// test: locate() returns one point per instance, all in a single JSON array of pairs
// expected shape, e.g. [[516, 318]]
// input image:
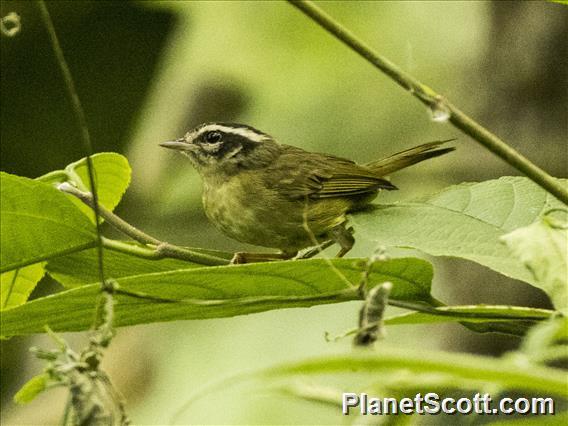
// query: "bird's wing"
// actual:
[[341, 185], [299, 174]]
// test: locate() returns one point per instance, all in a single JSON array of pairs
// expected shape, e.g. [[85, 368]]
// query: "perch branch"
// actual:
[[160, 248]]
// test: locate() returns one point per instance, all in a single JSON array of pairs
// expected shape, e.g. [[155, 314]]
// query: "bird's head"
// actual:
[[224, 147]]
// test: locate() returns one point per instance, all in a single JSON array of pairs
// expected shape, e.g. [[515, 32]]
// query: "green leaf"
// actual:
[[500, 372], [112, 176], [17, 285], [38, 223], [543, 249], [464, 221], [82, 267], [395, 372], [474, 313], [222, 291], [31, 389]]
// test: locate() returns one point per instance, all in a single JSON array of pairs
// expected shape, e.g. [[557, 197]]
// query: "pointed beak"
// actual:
[[178, 145]]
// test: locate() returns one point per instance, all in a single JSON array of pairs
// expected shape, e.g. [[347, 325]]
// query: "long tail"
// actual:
[[408, 157]]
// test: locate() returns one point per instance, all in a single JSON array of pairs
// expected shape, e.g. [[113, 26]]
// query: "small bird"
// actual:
[[268, 194]]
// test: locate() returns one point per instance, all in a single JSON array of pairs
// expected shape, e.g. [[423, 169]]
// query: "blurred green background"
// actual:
[[148, 71]]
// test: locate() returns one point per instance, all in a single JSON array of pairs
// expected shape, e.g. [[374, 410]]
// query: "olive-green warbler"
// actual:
[[261, 192]]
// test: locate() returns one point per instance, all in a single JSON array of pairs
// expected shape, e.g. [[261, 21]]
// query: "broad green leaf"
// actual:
[[38, 223], [464, 221], [543, 248], [82, 267], [474, 313], [500, 372], [402, 385], [112, 176], [17, 285], [222, 291], [31, 389], [383, 373]]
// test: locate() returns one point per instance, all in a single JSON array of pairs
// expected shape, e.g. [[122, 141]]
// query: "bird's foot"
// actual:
[[344, 237]]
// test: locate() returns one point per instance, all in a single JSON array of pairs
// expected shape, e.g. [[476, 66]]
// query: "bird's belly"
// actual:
[[260, 217]]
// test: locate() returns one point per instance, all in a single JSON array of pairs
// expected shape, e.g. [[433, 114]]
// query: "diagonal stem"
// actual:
[[160, 250], [435, 101], [110, 217]]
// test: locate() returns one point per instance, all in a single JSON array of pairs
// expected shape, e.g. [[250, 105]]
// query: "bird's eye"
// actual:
[[213, 137]]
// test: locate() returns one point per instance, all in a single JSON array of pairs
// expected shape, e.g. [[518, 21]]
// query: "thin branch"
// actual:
[[110, 217], [160, 248], [82, 124], [143, 252], [163, 251], [435, 101], [182, 253]]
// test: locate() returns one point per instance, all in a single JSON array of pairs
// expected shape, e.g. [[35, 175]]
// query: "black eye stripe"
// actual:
[[213, 137]]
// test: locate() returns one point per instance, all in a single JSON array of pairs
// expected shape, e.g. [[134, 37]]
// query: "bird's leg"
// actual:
[[343, 237], [316, 250], [244, 257]]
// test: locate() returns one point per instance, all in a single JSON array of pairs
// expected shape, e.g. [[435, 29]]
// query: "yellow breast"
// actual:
[[245, 210]]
